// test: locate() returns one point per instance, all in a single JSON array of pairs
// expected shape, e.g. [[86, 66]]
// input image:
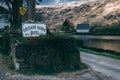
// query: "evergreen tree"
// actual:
[[67, 26]]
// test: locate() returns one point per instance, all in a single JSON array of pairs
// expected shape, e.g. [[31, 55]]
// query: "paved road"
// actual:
[[108, 66]]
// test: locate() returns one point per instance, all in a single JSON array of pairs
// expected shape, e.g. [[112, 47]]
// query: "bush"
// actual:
[[79, 42], [106, 30], [1, 41], [51, 54], [67, 26], [5, 40]]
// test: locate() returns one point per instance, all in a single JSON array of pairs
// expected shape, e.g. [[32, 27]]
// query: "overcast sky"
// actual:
[[48, 2]]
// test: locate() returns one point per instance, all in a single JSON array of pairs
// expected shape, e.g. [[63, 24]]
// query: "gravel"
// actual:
[[90, 75]]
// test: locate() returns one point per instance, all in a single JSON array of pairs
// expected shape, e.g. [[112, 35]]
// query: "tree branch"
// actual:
[[10, 1], [7, 2]]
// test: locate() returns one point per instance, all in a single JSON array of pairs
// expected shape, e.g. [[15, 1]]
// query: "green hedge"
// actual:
[[79, 42], [51, 54]]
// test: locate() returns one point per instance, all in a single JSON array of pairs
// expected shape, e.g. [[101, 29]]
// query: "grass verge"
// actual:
[[101, 53]]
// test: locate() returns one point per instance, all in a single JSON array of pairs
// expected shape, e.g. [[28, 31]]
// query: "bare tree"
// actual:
[[13, 7], [31, 9]]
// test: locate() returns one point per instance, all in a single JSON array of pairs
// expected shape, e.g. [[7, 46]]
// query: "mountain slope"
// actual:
[[94, 12]]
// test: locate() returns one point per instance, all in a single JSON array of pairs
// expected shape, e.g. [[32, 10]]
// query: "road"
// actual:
[[105, 65]]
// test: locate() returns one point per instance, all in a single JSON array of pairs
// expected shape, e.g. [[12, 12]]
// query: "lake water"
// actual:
[[104, 42]]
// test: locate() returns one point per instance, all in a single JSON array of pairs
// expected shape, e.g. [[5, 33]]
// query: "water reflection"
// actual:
[[104, 42]]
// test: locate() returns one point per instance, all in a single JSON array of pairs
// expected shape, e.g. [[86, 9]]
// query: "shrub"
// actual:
[[5, 40], [51, 54], [79, 42], [0, 43], [106, 30], [67, 26]]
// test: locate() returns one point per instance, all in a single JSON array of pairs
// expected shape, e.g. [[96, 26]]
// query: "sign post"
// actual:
[[22, 11], [33, 29]]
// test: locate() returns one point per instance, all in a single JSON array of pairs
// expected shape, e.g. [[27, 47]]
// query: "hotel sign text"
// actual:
[[33, 29]]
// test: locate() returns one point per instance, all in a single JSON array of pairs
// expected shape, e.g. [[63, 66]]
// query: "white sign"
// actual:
[[33, 29]]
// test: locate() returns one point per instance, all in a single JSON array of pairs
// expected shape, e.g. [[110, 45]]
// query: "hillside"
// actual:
[[94, 12]]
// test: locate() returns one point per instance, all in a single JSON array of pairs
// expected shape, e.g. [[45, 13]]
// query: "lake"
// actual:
[[104, 42]]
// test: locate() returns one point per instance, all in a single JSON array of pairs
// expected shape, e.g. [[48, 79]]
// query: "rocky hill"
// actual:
[[94, 12]]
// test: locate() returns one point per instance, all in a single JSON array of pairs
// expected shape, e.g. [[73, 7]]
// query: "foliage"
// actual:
[[14, 5], [67, 26], [13, 10], [77, 33], [79, 42], [1, 43], [106, 30], [5, 39], [8, 62], [51, 54], [60, 28]]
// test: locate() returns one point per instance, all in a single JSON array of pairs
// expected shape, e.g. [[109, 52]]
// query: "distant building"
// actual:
[[82, 28]]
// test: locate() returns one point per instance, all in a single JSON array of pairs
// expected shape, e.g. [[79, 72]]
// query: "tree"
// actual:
[[15, 18], [31, 9], [13, 8], [67, 26], [3, 10], [14, 5]]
